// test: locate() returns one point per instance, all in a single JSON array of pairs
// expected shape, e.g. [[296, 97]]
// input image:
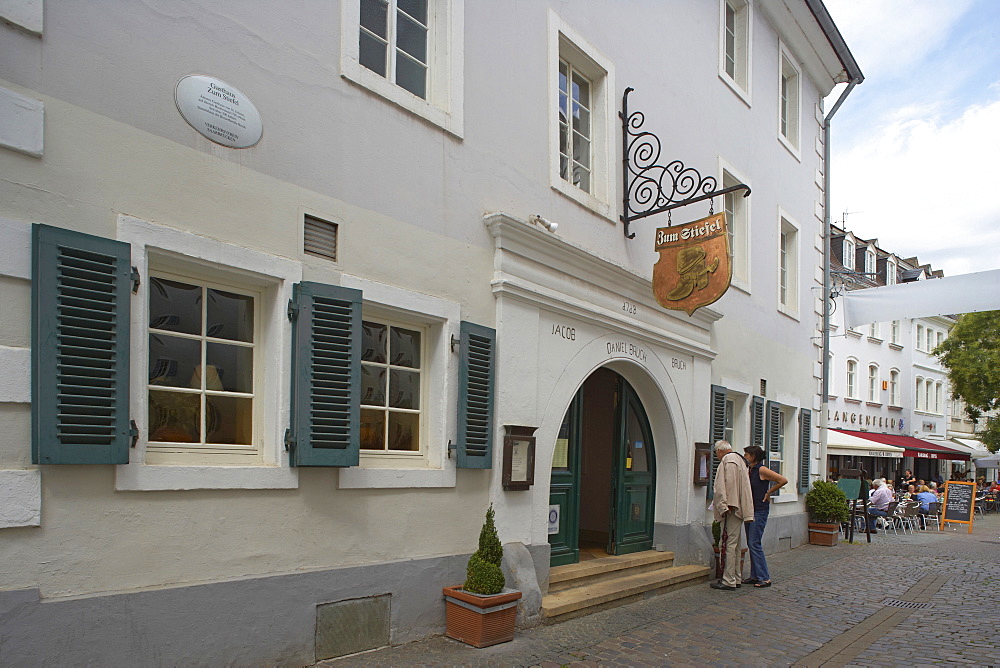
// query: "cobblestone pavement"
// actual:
[[828, 606]]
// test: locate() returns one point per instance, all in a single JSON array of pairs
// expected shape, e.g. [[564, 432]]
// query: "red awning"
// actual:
[[913, 447]]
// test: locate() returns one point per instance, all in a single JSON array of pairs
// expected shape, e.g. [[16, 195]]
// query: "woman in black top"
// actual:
[[763, 483]]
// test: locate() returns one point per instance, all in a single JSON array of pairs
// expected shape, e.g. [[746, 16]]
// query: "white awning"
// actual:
[[970, 445], [839, 443]]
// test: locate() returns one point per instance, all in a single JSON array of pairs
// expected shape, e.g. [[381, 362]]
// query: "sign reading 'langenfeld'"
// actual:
[[218, 111], [694, 268]]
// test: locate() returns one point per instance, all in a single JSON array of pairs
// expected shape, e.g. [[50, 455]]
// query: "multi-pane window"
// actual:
[[873, 383], [736, 220], [787, 266], [735, 41], [918, 394], [890, 273], [391, 371], [929, 343], [574, 126], [894, 388], [730, 428], [928, 395], [393, 42], [920, 337], [938, 397], [940, 338], [873, 330], [788, 103], [201, 373], [870, 261], [894, 332], [852, 379], [848, 254], [777, 456], [783, 269]]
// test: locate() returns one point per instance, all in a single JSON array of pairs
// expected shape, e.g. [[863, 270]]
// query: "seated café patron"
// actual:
[[880, 499]]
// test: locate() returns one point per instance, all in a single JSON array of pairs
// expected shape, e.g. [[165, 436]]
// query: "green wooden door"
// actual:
[[634, 474], [564, 492]]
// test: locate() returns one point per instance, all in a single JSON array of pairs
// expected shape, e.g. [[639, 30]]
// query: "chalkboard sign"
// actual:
[[959, 502]]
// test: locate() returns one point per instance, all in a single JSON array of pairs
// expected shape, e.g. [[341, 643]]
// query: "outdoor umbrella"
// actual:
[[989, 462]]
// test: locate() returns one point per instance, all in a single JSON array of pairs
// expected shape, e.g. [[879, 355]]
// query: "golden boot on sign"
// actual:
[[694, 268]]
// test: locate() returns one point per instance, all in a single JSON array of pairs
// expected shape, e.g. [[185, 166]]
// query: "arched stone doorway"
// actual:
[[603, 472]]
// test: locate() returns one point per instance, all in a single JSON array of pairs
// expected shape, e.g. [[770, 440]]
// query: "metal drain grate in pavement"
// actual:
[[905, 604]]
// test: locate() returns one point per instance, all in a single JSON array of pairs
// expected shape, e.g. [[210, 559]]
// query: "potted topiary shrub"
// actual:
[[720, 562], [481, 612], [827, 506]]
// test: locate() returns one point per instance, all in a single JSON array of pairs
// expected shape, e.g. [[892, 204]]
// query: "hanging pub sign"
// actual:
[[694, 268]]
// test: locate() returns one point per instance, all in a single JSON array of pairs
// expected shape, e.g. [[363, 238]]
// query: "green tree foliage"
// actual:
[[483, 575], [971, 354]]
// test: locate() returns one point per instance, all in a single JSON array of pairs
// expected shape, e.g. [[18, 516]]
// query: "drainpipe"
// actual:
[[827, 299]]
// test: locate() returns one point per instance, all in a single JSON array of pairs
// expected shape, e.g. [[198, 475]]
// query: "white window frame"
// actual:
[[740, 81], [920, 337], [938, 397], [740, 224], [729, 431], [567, 44], [891, 269], [271, 276], [894, 387], [444, 105], [852, 379], [873, 383], [894, 332], [928, 395], [788, 265], [440, 320], [874, 331], [918, 395], [848, 254], [871, 261], [929, 341], [940, 339], [789, 101]]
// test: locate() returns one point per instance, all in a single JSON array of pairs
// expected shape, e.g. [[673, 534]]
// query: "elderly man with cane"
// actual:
[[732, 506]]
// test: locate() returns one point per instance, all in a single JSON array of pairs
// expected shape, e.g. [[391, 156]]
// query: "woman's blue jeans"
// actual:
[[755, 532]]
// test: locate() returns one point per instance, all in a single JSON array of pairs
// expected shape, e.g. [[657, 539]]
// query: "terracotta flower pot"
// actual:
[[480, 621], [823, 534]]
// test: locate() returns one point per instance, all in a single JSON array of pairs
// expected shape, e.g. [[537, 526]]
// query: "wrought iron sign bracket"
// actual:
[[648, 187]]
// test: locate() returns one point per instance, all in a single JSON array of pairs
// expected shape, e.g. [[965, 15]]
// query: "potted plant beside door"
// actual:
[[827, 506], [481, 612]]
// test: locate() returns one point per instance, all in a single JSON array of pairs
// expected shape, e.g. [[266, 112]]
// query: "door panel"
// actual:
[[564, 491], [635, 477]]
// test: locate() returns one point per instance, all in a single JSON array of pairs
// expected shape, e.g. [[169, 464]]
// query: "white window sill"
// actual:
[[364, 77], [744, 95], [387, 478], [582, 198], [895, 346], [872, 339], [146, 478], [785, 497], [790, 147], [794, 315]]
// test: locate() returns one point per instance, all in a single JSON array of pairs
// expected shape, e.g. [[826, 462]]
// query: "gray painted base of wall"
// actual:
[[252, 621], [692, 543]]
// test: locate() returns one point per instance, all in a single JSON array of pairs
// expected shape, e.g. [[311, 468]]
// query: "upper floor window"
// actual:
[[737, 218], [581, 112], [938, 397], [409, 52], [730, 426], [894, 332], [787, 267], [920, 337], [788, 102], [940, 338], [929, 343], [890, 273], [894, 388], [873, 383], [869, 261], [848, 253], [873, 331], [918, 394], [852, 379], [928, 395], [735, 52]]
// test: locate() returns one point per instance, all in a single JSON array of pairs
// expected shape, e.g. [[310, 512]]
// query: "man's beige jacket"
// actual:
[[732, 488]]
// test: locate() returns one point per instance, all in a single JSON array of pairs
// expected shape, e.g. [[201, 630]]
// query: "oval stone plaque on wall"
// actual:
[[218, 111]]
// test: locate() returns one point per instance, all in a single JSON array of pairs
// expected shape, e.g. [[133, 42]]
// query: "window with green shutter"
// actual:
[[81, 291], [775, 440], [476, 377], [805, 448], [717, 430], [326, 375]]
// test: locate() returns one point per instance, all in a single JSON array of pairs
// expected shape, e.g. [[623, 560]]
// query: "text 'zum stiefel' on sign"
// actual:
[[694, 268]]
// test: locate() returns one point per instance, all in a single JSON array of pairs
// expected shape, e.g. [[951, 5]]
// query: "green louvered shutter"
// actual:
[[805, 448], [476, 378], [773, 434], [326, 376], [757, 422], [79, 348], [717, 431]]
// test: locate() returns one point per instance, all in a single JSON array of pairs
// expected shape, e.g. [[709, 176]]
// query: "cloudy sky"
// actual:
[[916, 147]]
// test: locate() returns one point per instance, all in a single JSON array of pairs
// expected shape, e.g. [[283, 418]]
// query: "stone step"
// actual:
[[587, 599], [606, 568]]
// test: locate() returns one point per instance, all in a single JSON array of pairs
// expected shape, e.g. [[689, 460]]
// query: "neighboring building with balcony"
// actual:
[[283, 286]]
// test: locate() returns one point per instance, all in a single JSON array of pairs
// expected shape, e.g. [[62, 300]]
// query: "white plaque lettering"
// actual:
[[519, 461], [218, 111]]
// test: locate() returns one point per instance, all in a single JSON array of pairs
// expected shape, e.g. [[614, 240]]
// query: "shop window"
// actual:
[[202, 368], [392, 359]]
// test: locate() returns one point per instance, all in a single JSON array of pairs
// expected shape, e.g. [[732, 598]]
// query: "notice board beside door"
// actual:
[[959, 503]]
